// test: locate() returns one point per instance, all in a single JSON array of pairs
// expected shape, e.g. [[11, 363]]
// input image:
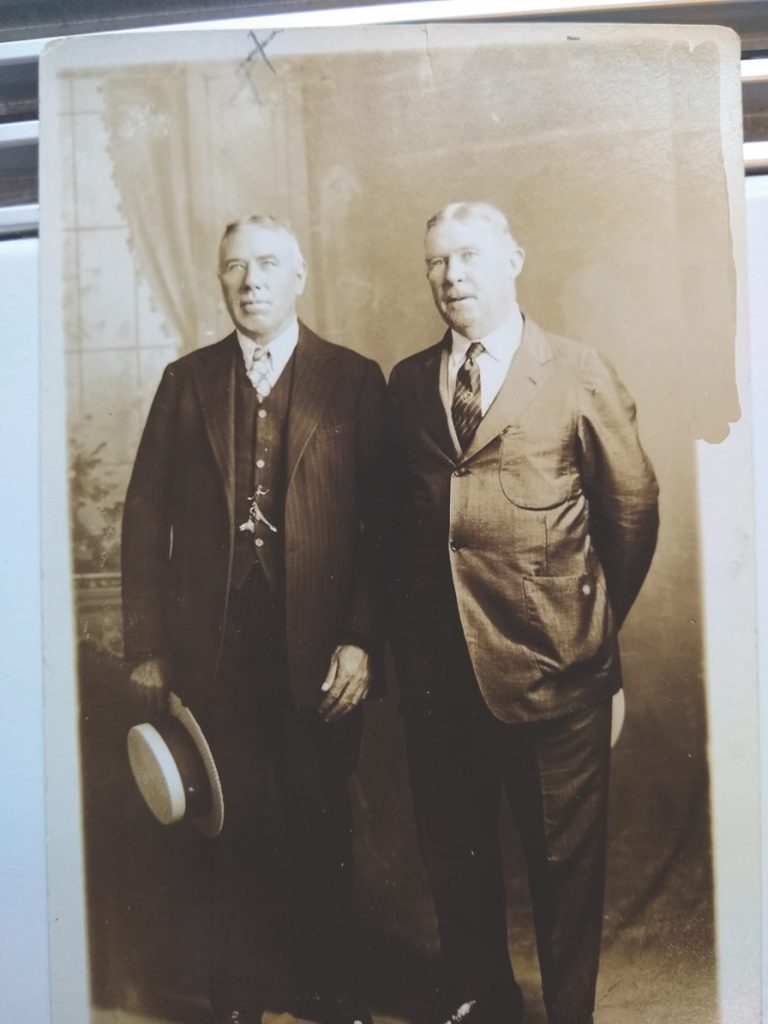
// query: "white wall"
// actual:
[[757, 241], [23, 911]]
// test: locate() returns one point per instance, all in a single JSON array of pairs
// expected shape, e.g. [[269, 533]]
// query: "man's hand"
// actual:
[[347, 682], [151, 681]]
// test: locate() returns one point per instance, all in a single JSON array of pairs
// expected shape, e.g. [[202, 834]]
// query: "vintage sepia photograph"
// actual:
[[399, 669]]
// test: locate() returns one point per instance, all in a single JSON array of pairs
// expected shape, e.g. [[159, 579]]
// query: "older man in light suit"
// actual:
[[252, 550], [527, 523]]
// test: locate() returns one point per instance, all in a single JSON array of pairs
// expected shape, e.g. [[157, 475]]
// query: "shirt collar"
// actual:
[[280, 348], [498, 343]]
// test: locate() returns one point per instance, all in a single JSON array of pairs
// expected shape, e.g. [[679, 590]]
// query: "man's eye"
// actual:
[[234, 265], [269, 263], [438, 261]]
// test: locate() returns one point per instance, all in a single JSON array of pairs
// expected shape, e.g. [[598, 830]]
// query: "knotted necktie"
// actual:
[[466, 409], [260, 373]]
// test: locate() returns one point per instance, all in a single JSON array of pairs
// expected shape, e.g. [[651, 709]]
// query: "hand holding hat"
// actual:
[[173, 766], [151, 680]]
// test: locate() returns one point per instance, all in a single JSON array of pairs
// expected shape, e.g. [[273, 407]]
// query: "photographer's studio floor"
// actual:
[[636, 986]]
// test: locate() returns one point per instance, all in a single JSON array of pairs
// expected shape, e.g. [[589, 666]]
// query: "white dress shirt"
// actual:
[[280, 350], [493, 364]]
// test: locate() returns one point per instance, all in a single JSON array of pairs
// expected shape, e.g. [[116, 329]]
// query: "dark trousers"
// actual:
[[283, 889], [555, 774]]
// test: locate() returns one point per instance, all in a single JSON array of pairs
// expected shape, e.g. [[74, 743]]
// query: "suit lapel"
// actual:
[[434, 415], [313, 381], [530, 367], [215, 382]]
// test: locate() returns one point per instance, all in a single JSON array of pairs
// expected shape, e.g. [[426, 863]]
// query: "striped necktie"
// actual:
[[466, 409]]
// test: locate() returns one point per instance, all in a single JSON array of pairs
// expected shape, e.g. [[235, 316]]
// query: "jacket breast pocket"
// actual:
[[534, 469], [333, 433], [569, 619]]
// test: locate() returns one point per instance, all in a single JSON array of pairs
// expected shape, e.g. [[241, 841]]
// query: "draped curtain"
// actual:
[[193, 148], [148, 127]]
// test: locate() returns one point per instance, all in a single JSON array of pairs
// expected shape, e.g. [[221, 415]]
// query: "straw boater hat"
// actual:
[[175, 771]]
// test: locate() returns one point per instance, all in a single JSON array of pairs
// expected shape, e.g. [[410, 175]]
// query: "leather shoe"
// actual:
[[338, 1009], [507, 1010], [238, 1016], [468, 1013]]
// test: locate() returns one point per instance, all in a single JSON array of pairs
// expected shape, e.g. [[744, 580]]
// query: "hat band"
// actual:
[[197, 791]]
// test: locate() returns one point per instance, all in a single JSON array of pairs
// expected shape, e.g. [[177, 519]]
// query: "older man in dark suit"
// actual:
[[251, 560], [528, 519]]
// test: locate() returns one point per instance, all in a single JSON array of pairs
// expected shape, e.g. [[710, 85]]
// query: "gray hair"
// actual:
[[265, 220], [486, 212]]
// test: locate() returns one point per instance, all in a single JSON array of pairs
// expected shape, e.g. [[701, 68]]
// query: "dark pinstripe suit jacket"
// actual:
[[179, 519]]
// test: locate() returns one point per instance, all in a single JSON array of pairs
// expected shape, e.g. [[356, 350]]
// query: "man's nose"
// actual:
[[454, 270], [252, 278]]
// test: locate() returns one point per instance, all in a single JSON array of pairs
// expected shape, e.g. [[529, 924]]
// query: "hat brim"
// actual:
[[211, 823], [156, 773]]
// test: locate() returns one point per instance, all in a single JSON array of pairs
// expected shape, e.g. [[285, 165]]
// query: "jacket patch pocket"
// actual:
[[568, 618], [534, 472]]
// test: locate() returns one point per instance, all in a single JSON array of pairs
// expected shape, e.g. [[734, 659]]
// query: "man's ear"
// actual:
[[517, 259], [301, 278]]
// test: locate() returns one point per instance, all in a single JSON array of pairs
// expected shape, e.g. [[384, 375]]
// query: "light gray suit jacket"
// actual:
[[541, 533]]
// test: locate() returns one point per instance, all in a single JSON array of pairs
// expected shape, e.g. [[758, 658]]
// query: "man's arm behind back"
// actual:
[[619, 483]]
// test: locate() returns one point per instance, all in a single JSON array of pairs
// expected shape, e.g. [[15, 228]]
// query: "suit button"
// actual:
[[259, 542], [455, 546], [586, 590], [260, 463], [461, 471], [262, 413]]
